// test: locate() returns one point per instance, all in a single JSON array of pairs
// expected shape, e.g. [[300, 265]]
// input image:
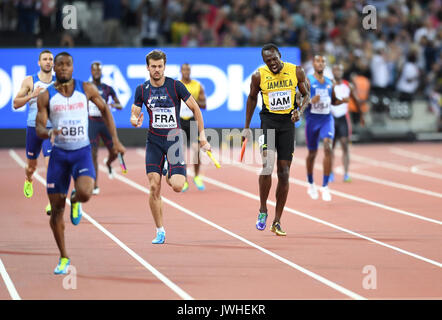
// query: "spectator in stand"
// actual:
[[112, 16]]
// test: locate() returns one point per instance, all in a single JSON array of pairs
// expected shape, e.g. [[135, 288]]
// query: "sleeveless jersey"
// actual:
[[278, 90], [342, 91], [105, 92], [324, 90], [194, 87], [70, 115], [32, 111], [163, 104]]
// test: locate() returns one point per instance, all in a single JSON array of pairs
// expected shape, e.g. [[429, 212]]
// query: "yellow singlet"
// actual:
[[278, 90], [194, 88]]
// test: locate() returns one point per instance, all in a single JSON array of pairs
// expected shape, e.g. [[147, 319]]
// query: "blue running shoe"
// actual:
[[62, 267], [76, 213], [261, 222], [347, 178], [161, 237], [331, 178]]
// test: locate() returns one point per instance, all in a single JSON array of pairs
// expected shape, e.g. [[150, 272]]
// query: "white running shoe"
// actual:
[[312, 191], [326, 196], [96, 191]]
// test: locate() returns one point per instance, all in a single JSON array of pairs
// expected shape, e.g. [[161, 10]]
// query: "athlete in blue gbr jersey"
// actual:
[[319, 124], [65, 104], [162, 97], [31, 87]]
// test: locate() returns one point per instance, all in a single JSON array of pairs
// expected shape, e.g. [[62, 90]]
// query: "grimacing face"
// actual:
[[272, 59]]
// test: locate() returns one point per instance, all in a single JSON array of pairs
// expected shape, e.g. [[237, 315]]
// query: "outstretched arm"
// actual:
[[252, 99]]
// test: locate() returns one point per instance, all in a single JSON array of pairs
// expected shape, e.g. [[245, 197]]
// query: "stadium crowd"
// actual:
[[401, 53]]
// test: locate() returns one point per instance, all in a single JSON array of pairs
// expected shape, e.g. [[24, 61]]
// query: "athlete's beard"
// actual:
[[46, 71], [63, 81]]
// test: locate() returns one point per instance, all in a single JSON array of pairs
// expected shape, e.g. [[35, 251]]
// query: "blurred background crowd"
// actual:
[[400, 58]]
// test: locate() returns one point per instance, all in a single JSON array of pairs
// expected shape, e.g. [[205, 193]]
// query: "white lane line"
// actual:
[[415, 155], [8, 282], [132, 253], [309, 273], [304, 215], [382, 181], [392, 166], [349, 196]]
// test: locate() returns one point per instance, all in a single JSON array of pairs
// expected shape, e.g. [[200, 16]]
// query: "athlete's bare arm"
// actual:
[[304, 88], [93, 95], [24, 94], [42, 118], [136, 116], [117, 105], [202, 98], [355, 97], [336, 101], [193, 105]]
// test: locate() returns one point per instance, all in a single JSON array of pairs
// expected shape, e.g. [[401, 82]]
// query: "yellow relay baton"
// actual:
[[217, 165]]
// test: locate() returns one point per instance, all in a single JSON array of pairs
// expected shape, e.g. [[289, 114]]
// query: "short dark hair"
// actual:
[[97, 63], [270, 46], [155, 55], [43, 52], [62, 54]]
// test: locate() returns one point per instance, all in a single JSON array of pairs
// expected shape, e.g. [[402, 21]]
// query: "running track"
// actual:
[[389, 219]]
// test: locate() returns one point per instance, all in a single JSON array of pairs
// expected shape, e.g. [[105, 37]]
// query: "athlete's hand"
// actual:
[[204, 145], [315, 99], [118, 148], [296, 115], [116, 106], [36, 92], [137, 122], [246, 134], [52, 133]]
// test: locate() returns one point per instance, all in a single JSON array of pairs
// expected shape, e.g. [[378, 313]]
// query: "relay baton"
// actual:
[[217, 165], [243, 149], [122, 164]]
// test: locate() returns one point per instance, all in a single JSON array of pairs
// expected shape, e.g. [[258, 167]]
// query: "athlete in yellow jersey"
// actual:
[[277, 82], [186, 117]]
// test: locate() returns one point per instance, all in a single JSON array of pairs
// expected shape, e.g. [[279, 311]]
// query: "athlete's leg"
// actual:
[[176, 181], [327, 162], [94, 150], [31, 167], [345, 154], [265, 178], [155, 203], [58, 201], [282, 189], [83, 189]]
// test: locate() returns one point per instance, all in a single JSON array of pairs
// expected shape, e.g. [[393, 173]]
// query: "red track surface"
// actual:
[[213, 250]]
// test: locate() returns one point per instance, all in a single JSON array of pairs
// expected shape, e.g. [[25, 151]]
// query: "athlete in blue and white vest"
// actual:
[[319, 124], [65, 104], [31, 87]]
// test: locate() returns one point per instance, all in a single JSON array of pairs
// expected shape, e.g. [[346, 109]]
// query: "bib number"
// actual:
[[280, 100], [72, 131], [164, 118], [323, 106]]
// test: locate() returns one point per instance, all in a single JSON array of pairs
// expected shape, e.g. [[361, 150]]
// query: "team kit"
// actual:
[[68, 119]]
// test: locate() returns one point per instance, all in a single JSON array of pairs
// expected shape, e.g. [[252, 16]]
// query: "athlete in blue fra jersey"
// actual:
[[31, 87], [162, 97], [319, 124], [65, 104]]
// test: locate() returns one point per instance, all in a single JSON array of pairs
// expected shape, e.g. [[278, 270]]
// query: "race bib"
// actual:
[[164, 118], [280, 100], [72, 131], [323, 106]]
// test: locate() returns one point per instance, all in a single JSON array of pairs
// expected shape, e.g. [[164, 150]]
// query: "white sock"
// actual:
[[161, 230]]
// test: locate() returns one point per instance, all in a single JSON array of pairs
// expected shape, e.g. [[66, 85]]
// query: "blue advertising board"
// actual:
[[224, 72]]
